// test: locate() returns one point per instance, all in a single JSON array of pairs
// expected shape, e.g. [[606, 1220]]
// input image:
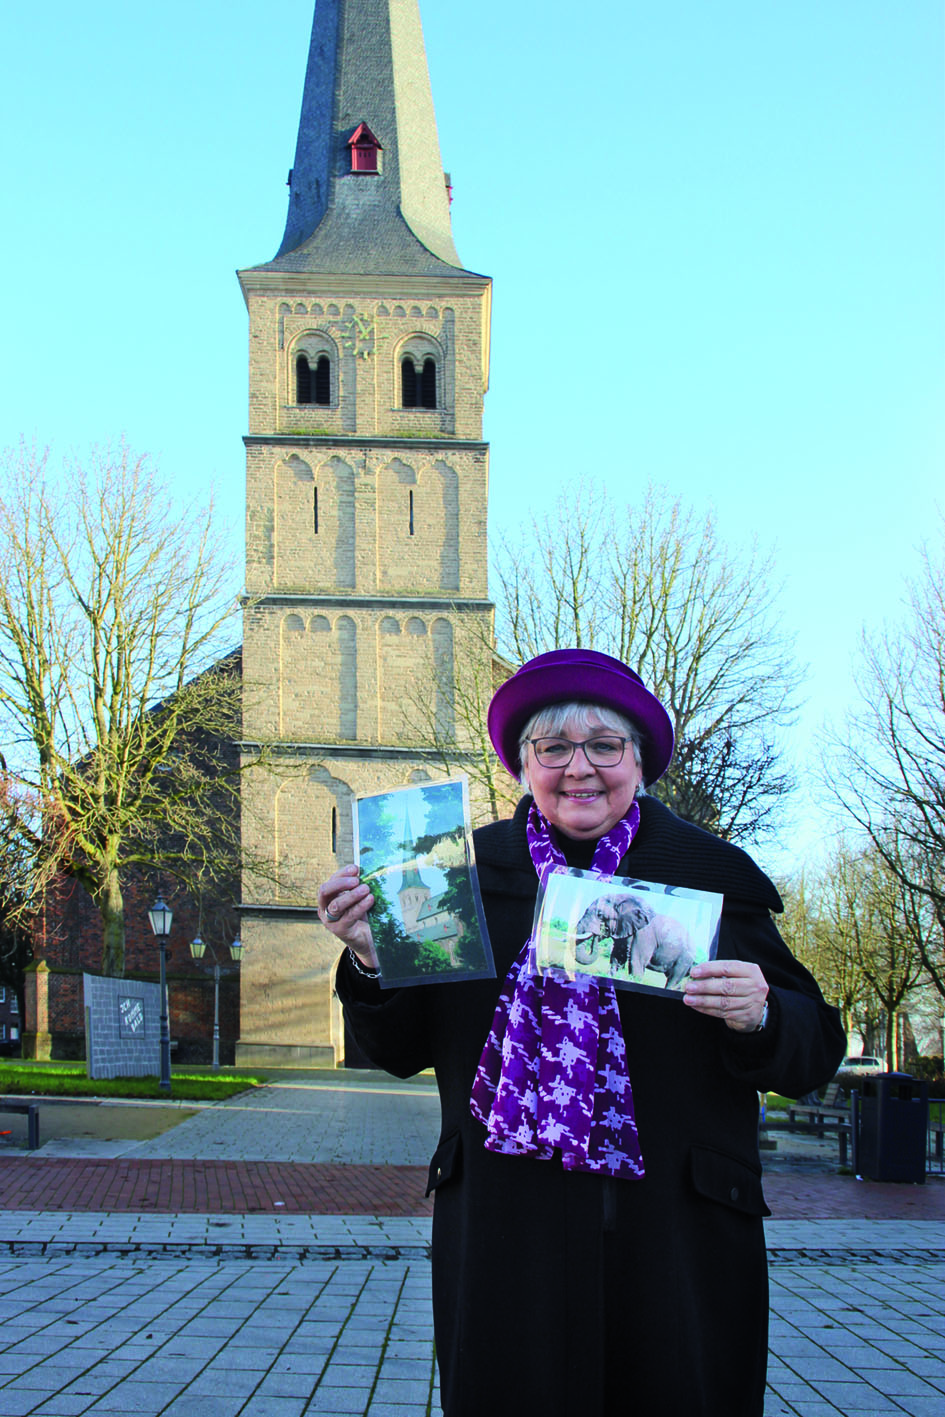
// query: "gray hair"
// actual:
[[551, 721]]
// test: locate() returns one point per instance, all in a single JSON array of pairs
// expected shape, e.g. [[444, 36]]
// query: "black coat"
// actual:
[[560, 1293]]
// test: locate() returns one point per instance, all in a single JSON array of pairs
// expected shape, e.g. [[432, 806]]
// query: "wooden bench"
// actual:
[[31, 1111], [814, 1120], [818, 1119]]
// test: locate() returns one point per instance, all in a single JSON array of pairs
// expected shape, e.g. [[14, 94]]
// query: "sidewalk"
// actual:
[[151, 1276]]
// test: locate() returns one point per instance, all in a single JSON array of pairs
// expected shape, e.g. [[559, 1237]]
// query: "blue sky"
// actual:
[[715, 232]]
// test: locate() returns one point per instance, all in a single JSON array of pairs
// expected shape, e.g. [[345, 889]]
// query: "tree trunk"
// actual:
[[891, 1039], [112, 909]]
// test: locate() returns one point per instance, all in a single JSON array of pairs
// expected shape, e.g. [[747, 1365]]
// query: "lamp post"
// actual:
[[197, 949], [160, 916]]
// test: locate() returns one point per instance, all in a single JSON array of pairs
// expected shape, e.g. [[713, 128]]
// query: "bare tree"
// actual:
[[804, 932], [882, 921], [858, 928], [120, 708], [888, 768], [652, 583]]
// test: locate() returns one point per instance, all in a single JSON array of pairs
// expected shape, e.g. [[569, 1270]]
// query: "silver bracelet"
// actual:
[[362, 969], [764, 1020]]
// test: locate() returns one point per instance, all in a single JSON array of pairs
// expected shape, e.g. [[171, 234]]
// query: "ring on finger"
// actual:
[[329, 915]]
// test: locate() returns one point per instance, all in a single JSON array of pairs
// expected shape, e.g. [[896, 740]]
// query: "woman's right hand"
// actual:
[[343, 904]]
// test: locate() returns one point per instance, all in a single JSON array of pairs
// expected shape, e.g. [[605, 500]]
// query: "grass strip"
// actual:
[[70, 1080]]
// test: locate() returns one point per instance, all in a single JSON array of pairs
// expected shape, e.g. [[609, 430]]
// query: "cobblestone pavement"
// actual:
[[280, 1312], [204, 1335], [221, 1316], [355, 1118], [858, 1320]]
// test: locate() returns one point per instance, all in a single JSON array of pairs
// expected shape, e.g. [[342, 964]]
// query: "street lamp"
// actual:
[[160, 916], [197, 949]]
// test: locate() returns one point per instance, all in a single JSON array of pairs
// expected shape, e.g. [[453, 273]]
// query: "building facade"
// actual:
[[366, 490]]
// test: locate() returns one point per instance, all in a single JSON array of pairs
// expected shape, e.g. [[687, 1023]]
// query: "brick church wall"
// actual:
[[68, 944]]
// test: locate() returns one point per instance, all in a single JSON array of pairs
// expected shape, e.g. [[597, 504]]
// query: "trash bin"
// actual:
[[893, 1123]]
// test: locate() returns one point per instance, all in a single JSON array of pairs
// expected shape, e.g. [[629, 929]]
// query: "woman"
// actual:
[[597, 1236]]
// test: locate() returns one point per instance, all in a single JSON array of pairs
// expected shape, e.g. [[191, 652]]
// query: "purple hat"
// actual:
[[585, 676]]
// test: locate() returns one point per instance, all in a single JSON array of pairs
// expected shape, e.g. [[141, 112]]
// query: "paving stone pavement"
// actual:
[[271, 1315], [355, 1117]]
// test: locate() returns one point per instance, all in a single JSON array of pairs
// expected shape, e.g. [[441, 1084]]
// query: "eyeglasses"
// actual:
[[600, 752]]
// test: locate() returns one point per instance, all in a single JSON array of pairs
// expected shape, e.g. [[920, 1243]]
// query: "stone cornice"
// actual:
[[337, 440], [353, 752], [370, 602], [344, 285]]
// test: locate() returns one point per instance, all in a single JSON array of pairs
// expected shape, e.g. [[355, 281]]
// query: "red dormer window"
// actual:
[[365, 150]]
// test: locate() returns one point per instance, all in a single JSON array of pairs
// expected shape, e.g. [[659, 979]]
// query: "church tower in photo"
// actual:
[[366, 486]]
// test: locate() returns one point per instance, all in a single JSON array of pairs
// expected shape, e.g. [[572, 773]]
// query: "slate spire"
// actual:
[[367, 66]]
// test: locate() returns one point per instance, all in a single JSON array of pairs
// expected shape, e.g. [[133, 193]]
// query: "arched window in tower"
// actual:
[[303, 380], [428, 384], [322, 380], [408, 383], [418, 389], [313, 385], [421, 368]]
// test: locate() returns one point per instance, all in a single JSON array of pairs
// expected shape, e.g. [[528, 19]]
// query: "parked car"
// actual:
[[863, 1066]]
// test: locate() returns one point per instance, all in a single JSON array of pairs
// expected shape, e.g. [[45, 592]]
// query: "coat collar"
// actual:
[[665, 849]]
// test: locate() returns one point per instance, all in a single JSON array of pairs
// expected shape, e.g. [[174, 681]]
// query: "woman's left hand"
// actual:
[[729, 989]]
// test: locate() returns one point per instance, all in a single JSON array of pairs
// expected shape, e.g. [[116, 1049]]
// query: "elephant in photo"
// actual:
[[641, 939], [611, 917]]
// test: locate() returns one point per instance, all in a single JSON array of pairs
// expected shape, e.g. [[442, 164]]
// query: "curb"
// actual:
[[145, 1250], [778, 1256]]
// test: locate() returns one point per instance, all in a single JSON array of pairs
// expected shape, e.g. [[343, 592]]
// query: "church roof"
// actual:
[[411, 879], [367, 72], [430, 907]]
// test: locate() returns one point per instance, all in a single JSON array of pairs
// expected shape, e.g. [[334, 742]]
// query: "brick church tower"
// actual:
[[366, 484]]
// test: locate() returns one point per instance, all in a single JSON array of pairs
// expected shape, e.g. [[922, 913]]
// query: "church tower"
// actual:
[[366, 485]]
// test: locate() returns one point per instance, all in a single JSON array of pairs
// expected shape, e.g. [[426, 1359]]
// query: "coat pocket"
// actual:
[[728, 1181], [445, 1164]]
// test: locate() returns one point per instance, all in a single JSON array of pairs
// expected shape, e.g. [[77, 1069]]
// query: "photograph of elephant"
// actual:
[[414, 847], [639, 934]]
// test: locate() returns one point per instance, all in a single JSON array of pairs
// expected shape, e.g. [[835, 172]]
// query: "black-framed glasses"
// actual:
[[604, 750]]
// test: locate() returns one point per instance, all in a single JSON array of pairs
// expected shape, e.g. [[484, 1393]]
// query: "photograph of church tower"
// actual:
[[366, 491]]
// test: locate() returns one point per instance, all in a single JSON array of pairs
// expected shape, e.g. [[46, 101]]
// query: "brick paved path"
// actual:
[[227, 1187], [838, 1197], [249, 1187]]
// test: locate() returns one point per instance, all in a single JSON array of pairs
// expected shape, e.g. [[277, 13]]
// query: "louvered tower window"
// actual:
[[408, 383], [313, 385], [322, 381], [303, 380], [418, 390], [365, 150], [428, 384]]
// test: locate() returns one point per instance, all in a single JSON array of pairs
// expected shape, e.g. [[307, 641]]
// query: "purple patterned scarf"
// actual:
[[553, 1073]]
